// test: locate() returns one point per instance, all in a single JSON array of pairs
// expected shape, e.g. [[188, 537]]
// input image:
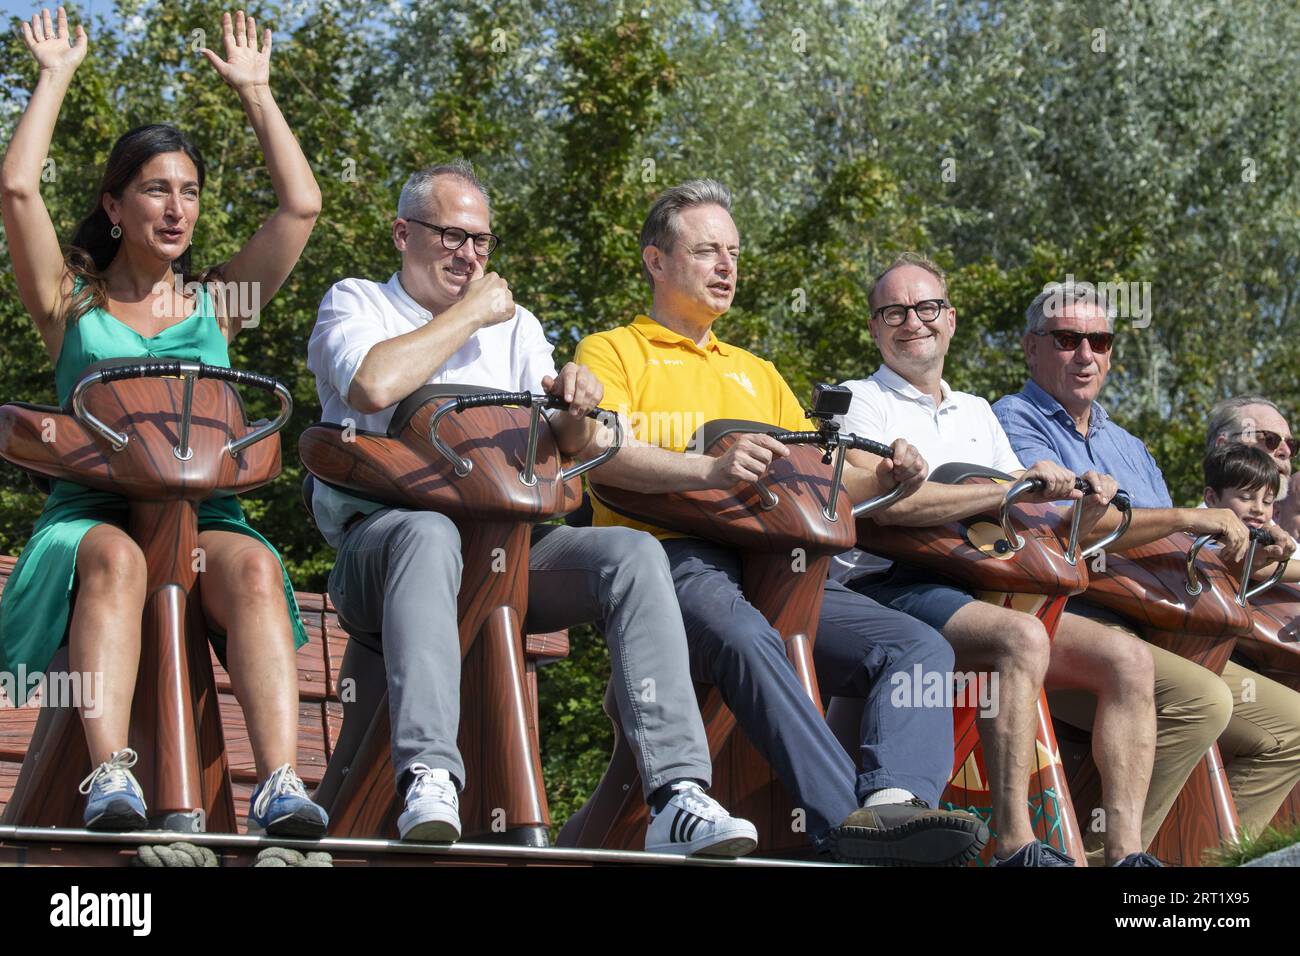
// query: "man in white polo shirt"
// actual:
[[912, 322], [441, 319]]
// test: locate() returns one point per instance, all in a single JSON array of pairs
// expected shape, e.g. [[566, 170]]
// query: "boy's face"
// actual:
[[1254, 508]]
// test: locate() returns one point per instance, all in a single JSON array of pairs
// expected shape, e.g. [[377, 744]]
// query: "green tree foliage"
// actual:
[[1145, 141]]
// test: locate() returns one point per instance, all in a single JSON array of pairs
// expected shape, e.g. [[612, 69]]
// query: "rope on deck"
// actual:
[[174, 855], [283, 856]]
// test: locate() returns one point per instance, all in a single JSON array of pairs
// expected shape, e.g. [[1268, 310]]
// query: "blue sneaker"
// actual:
[[281, 807], [1036, 854], [115, 799]]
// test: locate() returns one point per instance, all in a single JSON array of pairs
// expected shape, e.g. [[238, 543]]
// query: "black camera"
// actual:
[[831, 400]]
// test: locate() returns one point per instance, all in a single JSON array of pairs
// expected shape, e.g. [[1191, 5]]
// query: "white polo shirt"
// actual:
[[357, 314], [961, 428]]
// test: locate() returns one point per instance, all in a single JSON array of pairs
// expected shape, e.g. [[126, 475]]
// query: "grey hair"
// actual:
[[1225, 417], [418, 191], [660, 229], [909, 259], [1057, 296]]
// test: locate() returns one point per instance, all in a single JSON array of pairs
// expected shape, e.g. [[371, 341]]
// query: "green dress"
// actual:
[[36, 602]]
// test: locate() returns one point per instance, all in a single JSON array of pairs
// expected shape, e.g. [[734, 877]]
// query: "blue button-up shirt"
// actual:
[[1040, 428]]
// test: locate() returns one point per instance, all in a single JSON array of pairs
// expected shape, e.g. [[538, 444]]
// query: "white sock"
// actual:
[[889, 795]]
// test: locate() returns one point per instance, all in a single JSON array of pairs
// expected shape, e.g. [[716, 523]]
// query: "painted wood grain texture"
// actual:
[[1147, 586], [493, 510], [786, 553], [949, 549]]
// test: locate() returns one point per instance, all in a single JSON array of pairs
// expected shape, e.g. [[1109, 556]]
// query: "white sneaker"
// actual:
[[695, 823], [432, 812]]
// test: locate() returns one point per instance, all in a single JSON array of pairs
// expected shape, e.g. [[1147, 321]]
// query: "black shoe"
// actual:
[[1036, 854], [1139, 859], [908, 834]]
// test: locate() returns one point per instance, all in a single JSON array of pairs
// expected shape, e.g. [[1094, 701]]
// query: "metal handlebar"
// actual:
[[188, 371], [838, 445], [1259, 536], [1123, 504], [1193, 585], [1011, 539], [537, 403]]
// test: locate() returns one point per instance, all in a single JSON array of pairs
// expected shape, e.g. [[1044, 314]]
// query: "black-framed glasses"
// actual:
[[927, 310], [1067, 340], [1271, 440], [454, 237]]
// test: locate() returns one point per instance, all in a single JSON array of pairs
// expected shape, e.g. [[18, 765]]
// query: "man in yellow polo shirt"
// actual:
[[668, 373]]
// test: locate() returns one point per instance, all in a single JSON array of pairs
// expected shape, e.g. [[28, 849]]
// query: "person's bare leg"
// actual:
[[1015, 646], [104, 637], [242, 591], [1116, 667]]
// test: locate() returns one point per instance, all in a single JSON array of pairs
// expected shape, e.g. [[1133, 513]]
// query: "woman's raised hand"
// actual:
[[49, 42], [244, 66]]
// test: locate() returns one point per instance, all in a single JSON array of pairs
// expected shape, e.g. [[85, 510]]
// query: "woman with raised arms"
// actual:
[[114, 292]]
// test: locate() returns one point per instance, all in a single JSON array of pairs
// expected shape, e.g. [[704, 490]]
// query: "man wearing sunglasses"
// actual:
[[1067, 346], [912, 322], [1254, 420], [443, 319]]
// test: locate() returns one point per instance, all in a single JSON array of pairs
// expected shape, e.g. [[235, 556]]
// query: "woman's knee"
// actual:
[[254, 575], [109, 561]]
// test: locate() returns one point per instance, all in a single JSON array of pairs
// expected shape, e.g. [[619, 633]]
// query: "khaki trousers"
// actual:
[[1255, 720]]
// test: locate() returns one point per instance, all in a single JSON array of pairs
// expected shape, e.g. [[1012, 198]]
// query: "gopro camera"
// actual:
[[831, 400]]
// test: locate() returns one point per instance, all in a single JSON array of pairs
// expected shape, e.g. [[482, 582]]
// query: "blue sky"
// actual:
[[25, 8]]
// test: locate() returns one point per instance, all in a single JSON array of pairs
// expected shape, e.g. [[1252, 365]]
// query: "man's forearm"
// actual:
[[653, 470], [396, 367], [935, 503], [1149, 524]]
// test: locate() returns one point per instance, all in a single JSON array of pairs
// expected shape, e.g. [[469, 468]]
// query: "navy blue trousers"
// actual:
[[862, 650]]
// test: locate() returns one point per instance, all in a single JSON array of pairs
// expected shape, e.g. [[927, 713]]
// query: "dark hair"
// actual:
[[92, 247], [1235, 465]]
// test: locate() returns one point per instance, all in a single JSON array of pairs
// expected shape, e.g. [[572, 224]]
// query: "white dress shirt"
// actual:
[[357, 314], [961, 428]]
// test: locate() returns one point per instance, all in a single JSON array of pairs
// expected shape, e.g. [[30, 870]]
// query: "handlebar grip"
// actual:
[[866, 444], [554, 401], [1262, 535], [494, 398], [239, 377], [1122, 501], [798, 438], [140, 370]]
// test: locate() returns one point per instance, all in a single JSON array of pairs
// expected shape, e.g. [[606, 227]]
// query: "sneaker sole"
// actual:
[[725, 846], [294, 825], [918, 843], [118, 820], [432, 831]]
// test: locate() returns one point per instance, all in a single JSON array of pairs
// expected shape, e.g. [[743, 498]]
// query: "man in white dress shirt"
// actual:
[[442, 319], [912, 322]]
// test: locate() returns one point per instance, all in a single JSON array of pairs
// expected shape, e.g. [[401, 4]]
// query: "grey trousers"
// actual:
[[395, 584]]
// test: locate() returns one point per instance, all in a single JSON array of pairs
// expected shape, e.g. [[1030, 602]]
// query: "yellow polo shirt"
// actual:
[[666, 387]]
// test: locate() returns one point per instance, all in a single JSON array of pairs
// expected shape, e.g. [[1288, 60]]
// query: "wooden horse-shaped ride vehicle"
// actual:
[[786, 527], [1036, 572], [166, 435], [1184, 599], [481, 458], [1273, 649]]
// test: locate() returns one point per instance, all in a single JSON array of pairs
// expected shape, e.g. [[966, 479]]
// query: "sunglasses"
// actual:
[[1271, 440], [1067, 340]]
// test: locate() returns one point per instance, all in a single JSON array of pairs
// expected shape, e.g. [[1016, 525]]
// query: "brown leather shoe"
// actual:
[[908, 834]]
